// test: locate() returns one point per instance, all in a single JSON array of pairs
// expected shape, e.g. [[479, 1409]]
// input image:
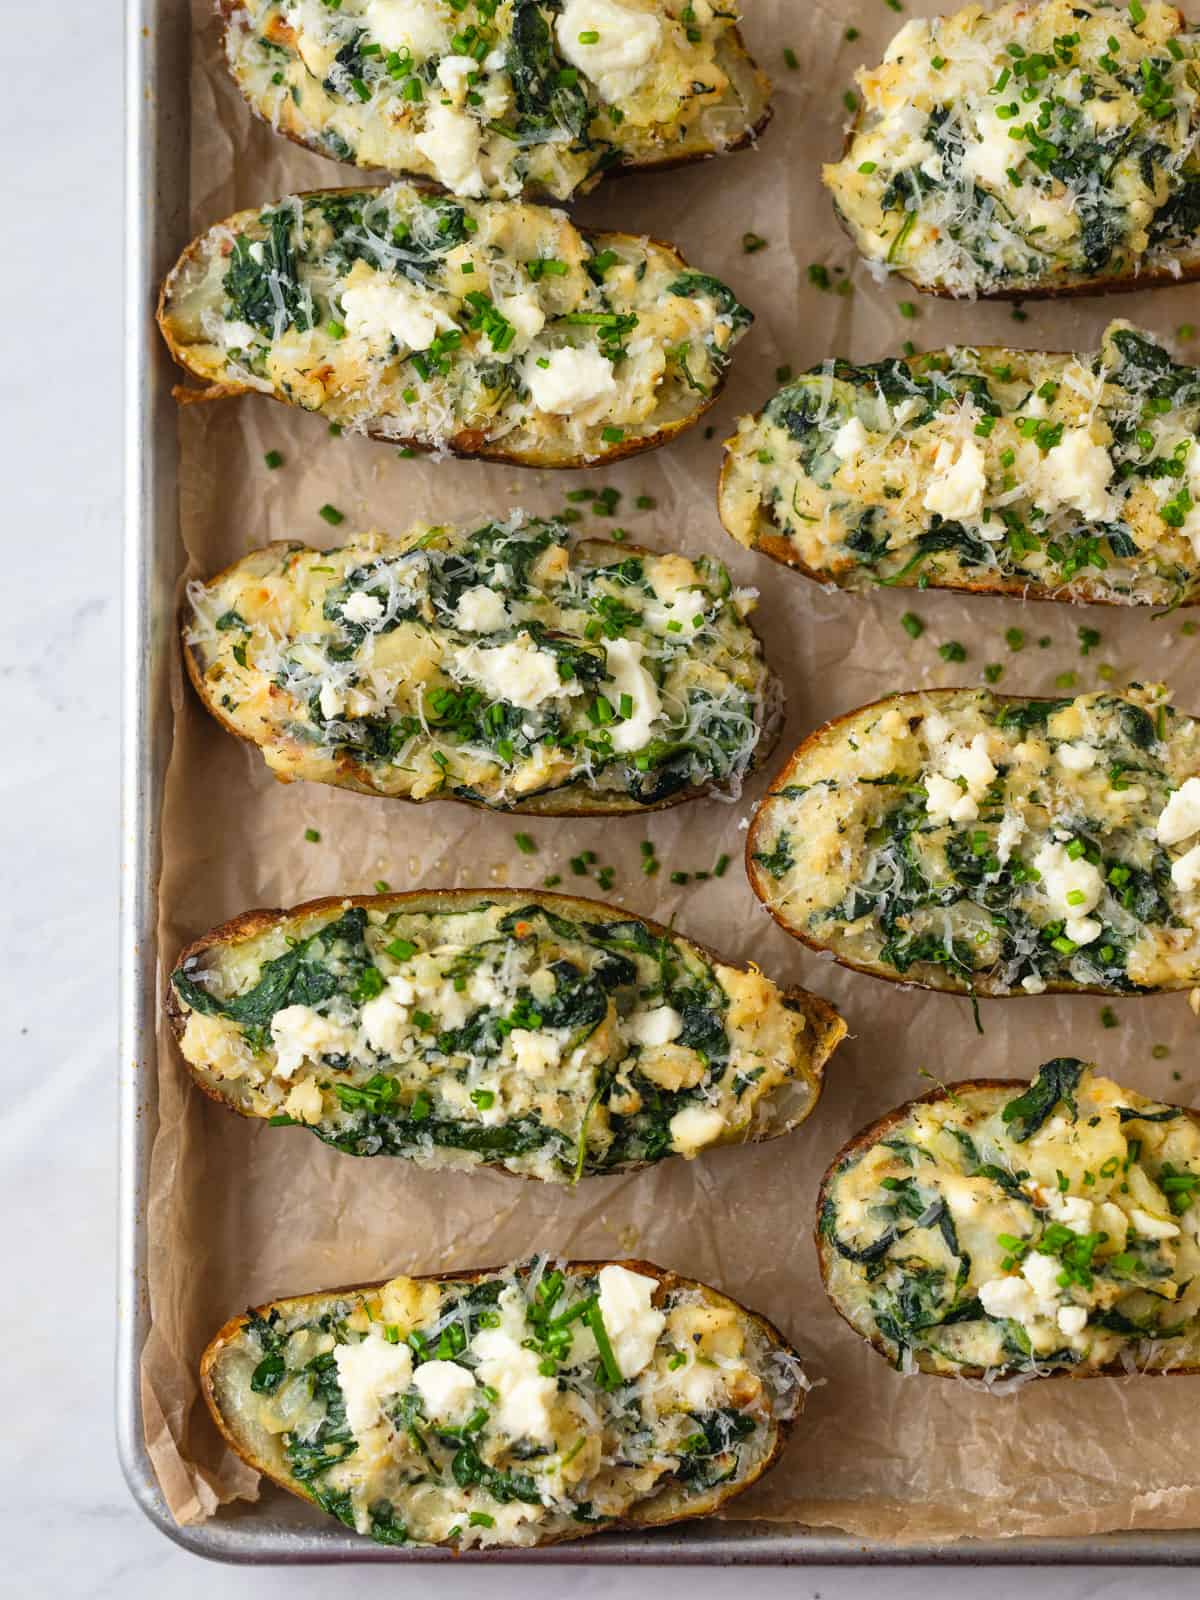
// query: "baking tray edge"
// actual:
[[156, 186]]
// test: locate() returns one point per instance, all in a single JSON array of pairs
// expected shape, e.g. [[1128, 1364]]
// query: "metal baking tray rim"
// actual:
[[158, 35]]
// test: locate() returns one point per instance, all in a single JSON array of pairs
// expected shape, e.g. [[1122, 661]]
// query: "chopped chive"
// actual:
[[382, 886], [790, 59], [312, 835], [553, 881], [681, 877], [525, 843], [1108, 1017], [753, 242], [993, 672], [332, 515], [1014, 638], [907, 309], [1160, 1052], [400, 949], [912, 625], [952, 651], [722, 864], [273, 460]]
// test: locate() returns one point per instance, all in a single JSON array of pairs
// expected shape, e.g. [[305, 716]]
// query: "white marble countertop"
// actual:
[[70, 1525]]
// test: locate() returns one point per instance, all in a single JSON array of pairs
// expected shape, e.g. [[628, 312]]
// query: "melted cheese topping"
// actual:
[[1011, 470], [490, 329], [497, 99], [497, 1411], [989, 1229], [968, 841], [502, 1030], [494, 664], [1026, 147]]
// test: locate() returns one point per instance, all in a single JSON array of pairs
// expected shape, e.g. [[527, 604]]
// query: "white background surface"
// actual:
[[70, 1528]]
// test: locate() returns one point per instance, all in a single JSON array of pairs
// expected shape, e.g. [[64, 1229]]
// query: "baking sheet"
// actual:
[[238, 1212]]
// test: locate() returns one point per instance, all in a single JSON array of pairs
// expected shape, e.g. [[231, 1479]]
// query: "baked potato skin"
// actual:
[[1184, 269], [939, 979], [1162, 572], [703, 1506], [466, 444], [827, 1027], [568, 800], [871, 1135], [1180, 266], [753, 94]]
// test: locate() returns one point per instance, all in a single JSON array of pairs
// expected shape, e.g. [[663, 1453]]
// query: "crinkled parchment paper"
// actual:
[[240, 1212]]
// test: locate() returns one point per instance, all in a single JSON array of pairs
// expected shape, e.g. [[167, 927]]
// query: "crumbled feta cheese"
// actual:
[[1185, 873], [525, 314], [1072, 1320], [1073, 888], [363, 607], [972, 762], [1076, 473], [947, 801], [627, 676], [524, 1394], [416, 25], [631, 1322], [1151, 1227], [1008, 1297], [379, 311], [957, 490], [480, 610], [445, 1388], [1041, 1273], [1072, 1210], [453, 73], [989, 156], [849, 442], [655, 1027], [384, 1020], [1012, 826], [1033, 984], [1076, 757], [369, 1373], [450, 142], [694, 1127], [301, 1034], [1180, 817], [570, 381], [517, 672], [533, 1052], [618, 59]]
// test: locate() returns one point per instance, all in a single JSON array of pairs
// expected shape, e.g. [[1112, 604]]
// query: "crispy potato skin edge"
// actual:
[[666, 1279], [227, 10], [829, 1029], [827, 732], [861, 1142], [772, 726], [469, 444]]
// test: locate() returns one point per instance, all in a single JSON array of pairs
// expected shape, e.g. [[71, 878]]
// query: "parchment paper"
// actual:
[[240, 1212]]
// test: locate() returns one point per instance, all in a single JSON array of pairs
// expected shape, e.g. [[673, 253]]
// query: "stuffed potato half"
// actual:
[[996, 1227], [495, 98], [1043, 148], [516, 1407], [550, 1036], [503, 666], [1055, 477], [993, 845], [489, 329]]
